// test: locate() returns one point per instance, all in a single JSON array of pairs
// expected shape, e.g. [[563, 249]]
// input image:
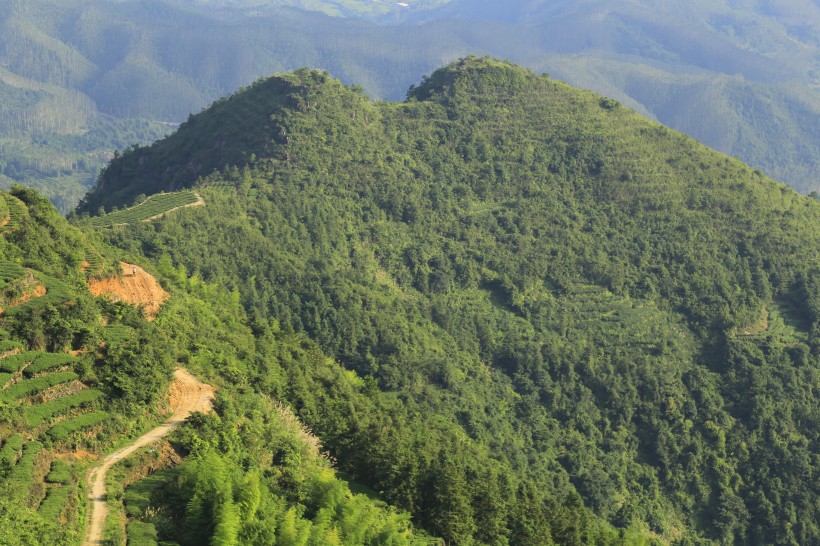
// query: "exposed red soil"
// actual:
[[135, 287]]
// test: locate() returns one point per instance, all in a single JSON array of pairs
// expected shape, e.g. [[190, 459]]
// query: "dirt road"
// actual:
[[188, 395]]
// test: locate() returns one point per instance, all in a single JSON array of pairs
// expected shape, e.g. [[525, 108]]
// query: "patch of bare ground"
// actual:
[[135, 286], [78, 455]]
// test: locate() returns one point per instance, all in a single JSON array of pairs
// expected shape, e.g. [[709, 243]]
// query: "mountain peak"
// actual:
[[478, 73]]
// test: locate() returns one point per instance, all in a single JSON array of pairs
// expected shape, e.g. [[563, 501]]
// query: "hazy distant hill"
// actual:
[[742, 82]]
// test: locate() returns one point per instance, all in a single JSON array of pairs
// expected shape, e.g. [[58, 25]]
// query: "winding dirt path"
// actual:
[[188, 395]]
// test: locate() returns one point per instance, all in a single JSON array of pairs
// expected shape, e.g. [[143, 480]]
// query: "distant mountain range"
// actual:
[[742, 81]]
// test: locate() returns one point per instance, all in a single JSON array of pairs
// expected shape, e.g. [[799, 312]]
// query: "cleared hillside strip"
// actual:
[[134, 285], [152, 208]]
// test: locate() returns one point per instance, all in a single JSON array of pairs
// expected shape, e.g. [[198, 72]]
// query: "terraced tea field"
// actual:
[[50, 409], [30, 289], [153, 207]]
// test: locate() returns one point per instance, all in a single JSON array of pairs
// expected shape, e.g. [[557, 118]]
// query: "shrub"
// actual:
[[55, 502], [13, 363], [141, 533], [57, 293], [39, 413], [60, 473], [61, 430], [21, 477], [35, 385], [49, 361], [11, 448], [153, 206], [9, 345]]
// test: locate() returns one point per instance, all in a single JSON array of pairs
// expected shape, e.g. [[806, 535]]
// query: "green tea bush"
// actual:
[[55, 502], [60, 473], [61, 430], [49, 361], [39, 413], [11, 448], [35, 385], [153, 206], [13, 363]]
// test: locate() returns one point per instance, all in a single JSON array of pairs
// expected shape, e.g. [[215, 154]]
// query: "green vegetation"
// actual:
[[142, 534], [8, 345], [509, 307], [10, 271], [11, 448], [63, 429], [151, 208], [20, 479], [28, 387], [60, 473], [742, 79], [118, 333], [215, 498], [17, 214], [49, 361], [508, 311], [57, 293], [42, 248], [15, 362], [55, 502], [38, 413]]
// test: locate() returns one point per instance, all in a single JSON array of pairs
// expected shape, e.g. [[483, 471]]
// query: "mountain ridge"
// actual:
[[574, 320], [139, 61]]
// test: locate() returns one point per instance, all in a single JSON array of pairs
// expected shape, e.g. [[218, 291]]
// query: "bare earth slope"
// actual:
[[135, 287], [188, 395]]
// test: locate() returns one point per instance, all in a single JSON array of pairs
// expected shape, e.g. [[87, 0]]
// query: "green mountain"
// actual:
[[527, 314], [82, 78], [81, 376]]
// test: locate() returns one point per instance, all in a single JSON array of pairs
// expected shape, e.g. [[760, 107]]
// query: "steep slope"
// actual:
[[80, 375], [574, 323]]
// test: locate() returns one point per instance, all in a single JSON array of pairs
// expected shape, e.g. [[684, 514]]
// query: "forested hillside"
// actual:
[[555, 321], [81, 375], [82, 78]]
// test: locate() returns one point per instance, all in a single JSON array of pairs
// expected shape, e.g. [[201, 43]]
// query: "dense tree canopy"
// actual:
[[554, 321]]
